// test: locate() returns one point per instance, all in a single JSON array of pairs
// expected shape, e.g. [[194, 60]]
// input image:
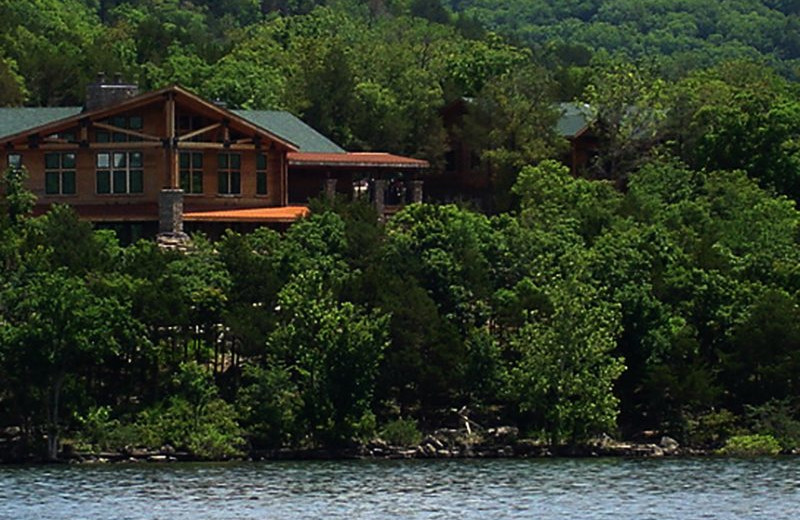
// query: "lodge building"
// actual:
[[156, 162]]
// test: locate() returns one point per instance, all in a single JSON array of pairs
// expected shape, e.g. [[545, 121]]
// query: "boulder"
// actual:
[[669, 445], [503, 434]]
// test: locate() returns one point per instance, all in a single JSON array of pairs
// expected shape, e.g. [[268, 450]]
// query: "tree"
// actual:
[[628, 101], [566, 369], [18, 202], [739, 115], [52, 328], [332, 351], [511, 124], [12, 85], [431, 10], [551, 199], [66, 241], [765, 353]]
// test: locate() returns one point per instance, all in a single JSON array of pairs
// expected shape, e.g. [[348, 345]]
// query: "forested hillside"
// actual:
[[679, 34], [656, 290]]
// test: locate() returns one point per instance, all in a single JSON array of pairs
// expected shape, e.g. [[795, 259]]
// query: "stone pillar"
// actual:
[[170, 211], [416, 191], [330, 189], [379, 195]]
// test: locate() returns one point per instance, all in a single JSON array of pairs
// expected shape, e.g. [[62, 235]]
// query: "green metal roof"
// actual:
[[574, 118], [292, 129], [19, 119]]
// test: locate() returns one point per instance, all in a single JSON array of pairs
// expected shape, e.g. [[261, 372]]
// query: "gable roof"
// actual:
[[291, 128], [283, 124], [18, 119], [44, 121]]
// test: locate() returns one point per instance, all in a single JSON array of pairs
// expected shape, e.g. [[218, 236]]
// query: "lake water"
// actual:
[[463, 489]]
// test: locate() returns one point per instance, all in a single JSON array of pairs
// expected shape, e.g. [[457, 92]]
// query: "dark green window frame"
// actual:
[[229, 174], [59, 173], [261, 174], [134, 122], [119, 173], [191, 172]]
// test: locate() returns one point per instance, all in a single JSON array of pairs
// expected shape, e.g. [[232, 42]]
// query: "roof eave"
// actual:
[[294, 162]]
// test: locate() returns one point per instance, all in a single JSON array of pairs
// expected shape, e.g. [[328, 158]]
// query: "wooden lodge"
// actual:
[[169, 160]]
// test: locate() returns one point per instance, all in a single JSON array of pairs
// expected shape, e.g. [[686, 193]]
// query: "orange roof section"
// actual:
[[148, 212], [271, 214], [355, 159]]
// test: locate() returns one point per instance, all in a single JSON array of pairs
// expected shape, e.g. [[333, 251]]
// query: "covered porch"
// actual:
[[388, 181]]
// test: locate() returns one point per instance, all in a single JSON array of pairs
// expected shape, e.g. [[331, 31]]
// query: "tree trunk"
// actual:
[[52, 427]]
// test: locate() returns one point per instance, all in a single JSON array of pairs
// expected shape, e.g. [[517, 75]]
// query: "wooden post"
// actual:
[[379, 194], [416, 191], [284, 180], [171, 152], [330, 188]]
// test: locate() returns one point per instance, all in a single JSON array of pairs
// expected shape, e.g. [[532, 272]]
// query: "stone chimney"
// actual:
[[170, 211], [101, 94]]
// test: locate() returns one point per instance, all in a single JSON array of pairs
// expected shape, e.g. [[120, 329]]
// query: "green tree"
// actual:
[[18, 202], [511, 124], [12, 85], [566, 369], [270, 406], [739, 115], [628, 101], [332, 351], [52, 328]]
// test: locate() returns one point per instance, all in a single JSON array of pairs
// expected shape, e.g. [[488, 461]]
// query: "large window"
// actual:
[[187, 123], [135, 123], [261, 174], [59, 173], [191, 172], [229, 173], [119, 172]]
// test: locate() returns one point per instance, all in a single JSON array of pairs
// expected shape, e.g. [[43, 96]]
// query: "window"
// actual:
[[229, 173], [59, 173], [14, 161], [261, 174], [119, 172], [128, 122], [186, 124], [191, 172]]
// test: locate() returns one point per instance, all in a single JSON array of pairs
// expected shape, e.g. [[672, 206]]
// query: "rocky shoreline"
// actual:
[[501, 442]]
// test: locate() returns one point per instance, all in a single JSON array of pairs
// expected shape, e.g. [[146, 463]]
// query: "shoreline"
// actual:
[[432, 447]]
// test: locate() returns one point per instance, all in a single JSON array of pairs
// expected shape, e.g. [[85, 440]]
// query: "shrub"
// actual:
[[777, 418], [709, 429], [218, 435], [750, 446], [211, 433], [99, 432], [268, 404], [402, 432]]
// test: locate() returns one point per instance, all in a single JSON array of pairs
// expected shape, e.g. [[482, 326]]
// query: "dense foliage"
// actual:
[[659, 289], [586, 311]]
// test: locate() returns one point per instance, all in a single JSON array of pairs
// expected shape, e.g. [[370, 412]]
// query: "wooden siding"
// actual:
[[157, 158]]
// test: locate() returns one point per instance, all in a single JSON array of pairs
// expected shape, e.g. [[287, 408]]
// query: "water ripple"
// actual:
[[593, 489]]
